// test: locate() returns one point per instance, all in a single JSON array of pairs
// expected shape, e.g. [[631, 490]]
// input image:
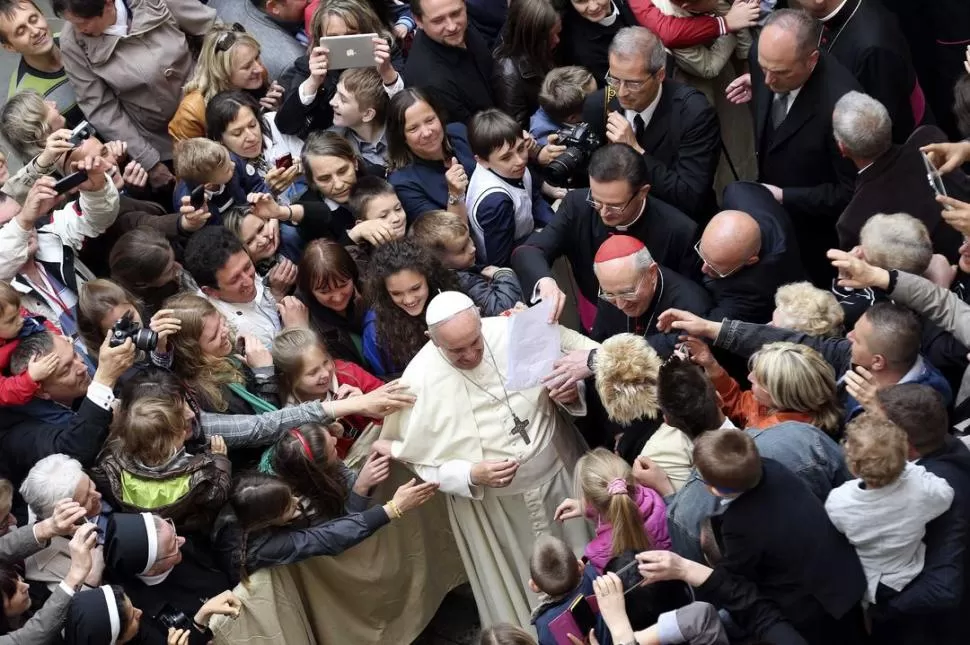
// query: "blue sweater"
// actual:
[[421, 186], [242, 183]]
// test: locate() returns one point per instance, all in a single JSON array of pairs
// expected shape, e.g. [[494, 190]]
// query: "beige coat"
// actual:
[[129, 87]]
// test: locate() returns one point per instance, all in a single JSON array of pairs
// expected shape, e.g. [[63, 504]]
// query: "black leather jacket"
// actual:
[[515, 86]]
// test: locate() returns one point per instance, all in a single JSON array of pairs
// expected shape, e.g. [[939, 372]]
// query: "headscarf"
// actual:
[[93, 618]]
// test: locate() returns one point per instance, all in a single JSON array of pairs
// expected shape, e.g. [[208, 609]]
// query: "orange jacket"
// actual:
[[745, 411]]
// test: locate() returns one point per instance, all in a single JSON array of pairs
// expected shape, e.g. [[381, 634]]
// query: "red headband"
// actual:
[[306, 446]]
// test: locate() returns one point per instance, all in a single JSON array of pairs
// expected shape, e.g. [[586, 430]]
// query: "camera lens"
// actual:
[[145, 339], [564, 167]]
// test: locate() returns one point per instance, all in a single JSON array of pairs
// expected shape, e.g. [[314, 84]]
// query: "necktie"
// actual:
[[638, 127], [779, 109]]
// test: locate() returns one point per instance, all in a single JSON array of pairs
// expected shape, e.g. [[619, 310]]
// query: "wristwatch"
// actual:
[[591, 360], [453, 199]]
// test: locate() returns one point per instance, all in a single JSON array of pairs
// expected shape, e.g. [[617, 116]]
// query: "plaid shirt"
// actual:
[[249, 431]]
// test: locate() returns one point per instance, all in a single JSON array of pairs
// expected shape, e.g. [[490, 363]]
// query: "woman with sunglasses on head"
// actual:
[[229, 61], [311, 85]]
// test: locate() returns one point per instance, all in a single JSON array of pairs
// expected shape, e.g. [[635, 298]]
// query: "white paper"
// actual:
[[534, 345]]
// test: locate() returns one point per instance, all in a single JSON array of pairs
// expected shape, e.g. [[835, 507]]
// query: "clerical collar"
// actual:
[[625, 227], [120, 28], [610, 19], [836, 12], [865, 168], [647, 113]]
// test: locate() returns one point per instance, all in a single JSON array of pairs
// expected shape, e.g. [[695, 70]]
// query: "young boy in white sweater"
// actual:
[[884, 512]]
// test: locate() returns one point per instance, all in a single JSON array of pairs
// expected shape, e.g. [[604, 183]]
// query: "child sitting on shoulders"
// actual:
[[503, 200], [561, 98], [555, 571], [307, 372], [16, 323], [884, 512], [629, 516], [200, 162], [446, 236]]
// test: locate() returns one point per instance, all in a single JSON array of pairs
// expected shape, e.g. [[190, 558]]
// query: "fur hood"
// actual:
[[626, 378]]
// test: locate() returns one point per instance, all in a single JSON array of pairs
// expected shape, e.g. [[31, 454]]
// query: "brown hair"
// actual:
[[553, 566], [436, 229], [367, 88], [399, 155], [563, 92], [324, 263], [205, 375], [198, 159], [875, 449], [95, 299], [526, 33], [919, 410], [505, 634], [151, 429], [9, 297], [290, 348], [6, 495], [595, 472], [300, 459], [728, 460], [359, 17]]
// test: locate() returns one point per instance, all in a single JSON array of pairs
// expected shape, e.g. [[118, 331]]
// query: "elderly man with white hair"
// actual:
[[504, 457], [891, 178], [52, 479]]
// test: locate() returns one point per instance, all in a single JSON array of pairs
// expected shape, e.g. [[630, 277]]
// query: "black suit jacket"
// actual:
[[577, 232], [778, 536], [459, 80], [801, 157], [896, 183], [749, 294], [865, 37], [682, 144]]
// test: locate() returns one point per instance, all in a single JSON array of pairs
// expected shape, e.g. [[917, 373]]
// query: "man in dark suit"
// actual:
[[450, 59], [891, 179], [865, 37], [616, 202], [671, 124], [793, 89], [776, 535], [748, 250]]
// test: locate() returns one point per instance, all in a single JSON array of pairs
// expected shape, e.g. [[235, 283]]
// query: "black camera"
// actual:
[[169, 616], [580, 142], [84, 130], [144, 339]]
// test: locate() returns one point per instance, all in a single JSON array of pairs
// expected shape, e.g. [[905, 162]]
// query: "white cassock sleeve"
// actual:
[[454, 476]]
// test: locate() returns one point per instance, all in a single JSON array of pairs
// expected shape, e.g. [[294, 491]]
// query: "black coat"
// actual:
[[778, 536], [587, 44], [515, 87], [802, 158], [934, 606], [459, 80], [749, 294], [577, 232], [865, 37], [896, 183], [337, 331], [682, 144], [673, 291]]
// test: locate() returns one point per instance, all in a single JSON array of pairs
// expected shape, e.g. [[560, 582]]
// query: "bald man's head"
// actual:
[[731, 240]]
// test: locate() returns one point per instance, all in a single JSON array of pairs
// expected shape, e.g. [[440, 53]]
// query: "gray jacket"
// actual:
[[19, 544], [44, 625], [279, 47]]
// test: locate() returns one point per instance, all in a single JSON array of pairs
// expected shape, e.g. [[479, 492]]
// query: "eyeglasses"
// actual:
[[612, 210], [697, 249], [633, 86], [169, 521], [228, 39], [623, 295]]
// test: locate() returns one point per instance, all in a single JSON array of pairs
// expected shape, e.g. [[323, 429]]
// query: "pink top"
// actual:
[[600, 551]]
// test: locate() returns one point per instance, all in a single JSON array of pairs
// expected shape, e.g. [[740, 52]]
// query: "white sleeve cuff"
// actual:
[[668, 630], [454, 478], [394, 87], [306, 98], [67, 590], [101, 395]]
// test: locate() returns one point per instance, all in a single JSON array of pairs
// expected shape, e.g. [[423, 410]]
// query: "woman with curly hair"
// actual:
[[400, 281]]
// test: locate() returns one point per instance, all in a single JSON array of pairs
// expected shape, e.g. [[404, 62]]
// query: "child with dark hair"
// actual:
[[503, 200], [555, 571]]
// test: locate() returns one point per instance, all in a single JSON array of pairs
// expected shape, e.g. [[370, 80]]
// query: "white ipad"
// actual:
[[349, 52]]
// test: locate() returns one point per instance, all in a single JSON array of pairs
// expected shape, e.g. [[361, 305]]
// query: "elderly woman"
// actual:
[[229, 61], [804, 307]]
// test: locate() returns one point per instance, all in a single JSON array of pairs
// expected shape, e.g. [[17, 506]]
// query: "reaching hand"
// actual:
[[374, 231], [567, 372], [660, 565], [948, 157], [114, 361], [256, 353], [649, 474], [700, 353], [739, 90], [85, 541], [378, 403], [264, 206], [568, 510], [412, 495], [40, 367], [282, 278], [685, 321], [293, 313], [743, 14], [495, 473], [165, 324], [548, 289], [955, 213], [217, 445], [376, 469], [57, 145], [856, 273], [135, 175], [345, 390], [225, 604], [273, 97]]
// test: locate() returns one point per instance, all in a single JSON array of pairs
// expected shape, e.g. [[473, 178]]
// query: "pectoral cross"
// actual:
[[520, 427]]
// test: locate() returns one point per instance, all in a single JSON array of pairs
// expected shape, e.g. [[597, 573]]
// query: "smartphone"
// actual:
[[197, 196], [170, 616], [349, 52], [583, 615], [934, 177], [82, 131], [285, 161], [241, 346], [71, 182]]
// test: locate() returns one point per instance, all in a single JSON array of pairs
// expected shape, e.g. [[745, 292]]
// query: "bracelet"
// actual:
[[395, 509], [893, 278], [289, 210], [455, 199]]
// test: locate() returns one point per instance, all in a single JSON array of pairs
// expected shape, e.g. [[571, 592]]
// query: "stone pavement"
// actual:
[[456, 622]]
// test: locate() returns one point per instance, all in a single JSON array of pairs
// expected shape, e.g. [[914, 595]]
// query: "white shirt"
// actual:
[[610, 19], [647, 112], [790, 99], [120, 28], [835, 12], [258, 317]]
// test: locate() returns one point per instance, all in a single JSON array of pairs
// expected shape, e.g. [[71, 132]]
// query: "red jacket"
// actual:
[[348, 373], [676, 32], [18, 390]]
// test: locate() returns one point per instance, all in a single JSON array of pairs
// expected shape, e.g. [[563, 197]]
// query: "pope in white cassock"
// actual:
[[505, 458]]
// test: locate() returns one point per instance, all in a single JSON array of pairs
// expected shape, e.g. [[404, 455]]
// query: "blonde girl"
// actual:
[[628, 516]]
